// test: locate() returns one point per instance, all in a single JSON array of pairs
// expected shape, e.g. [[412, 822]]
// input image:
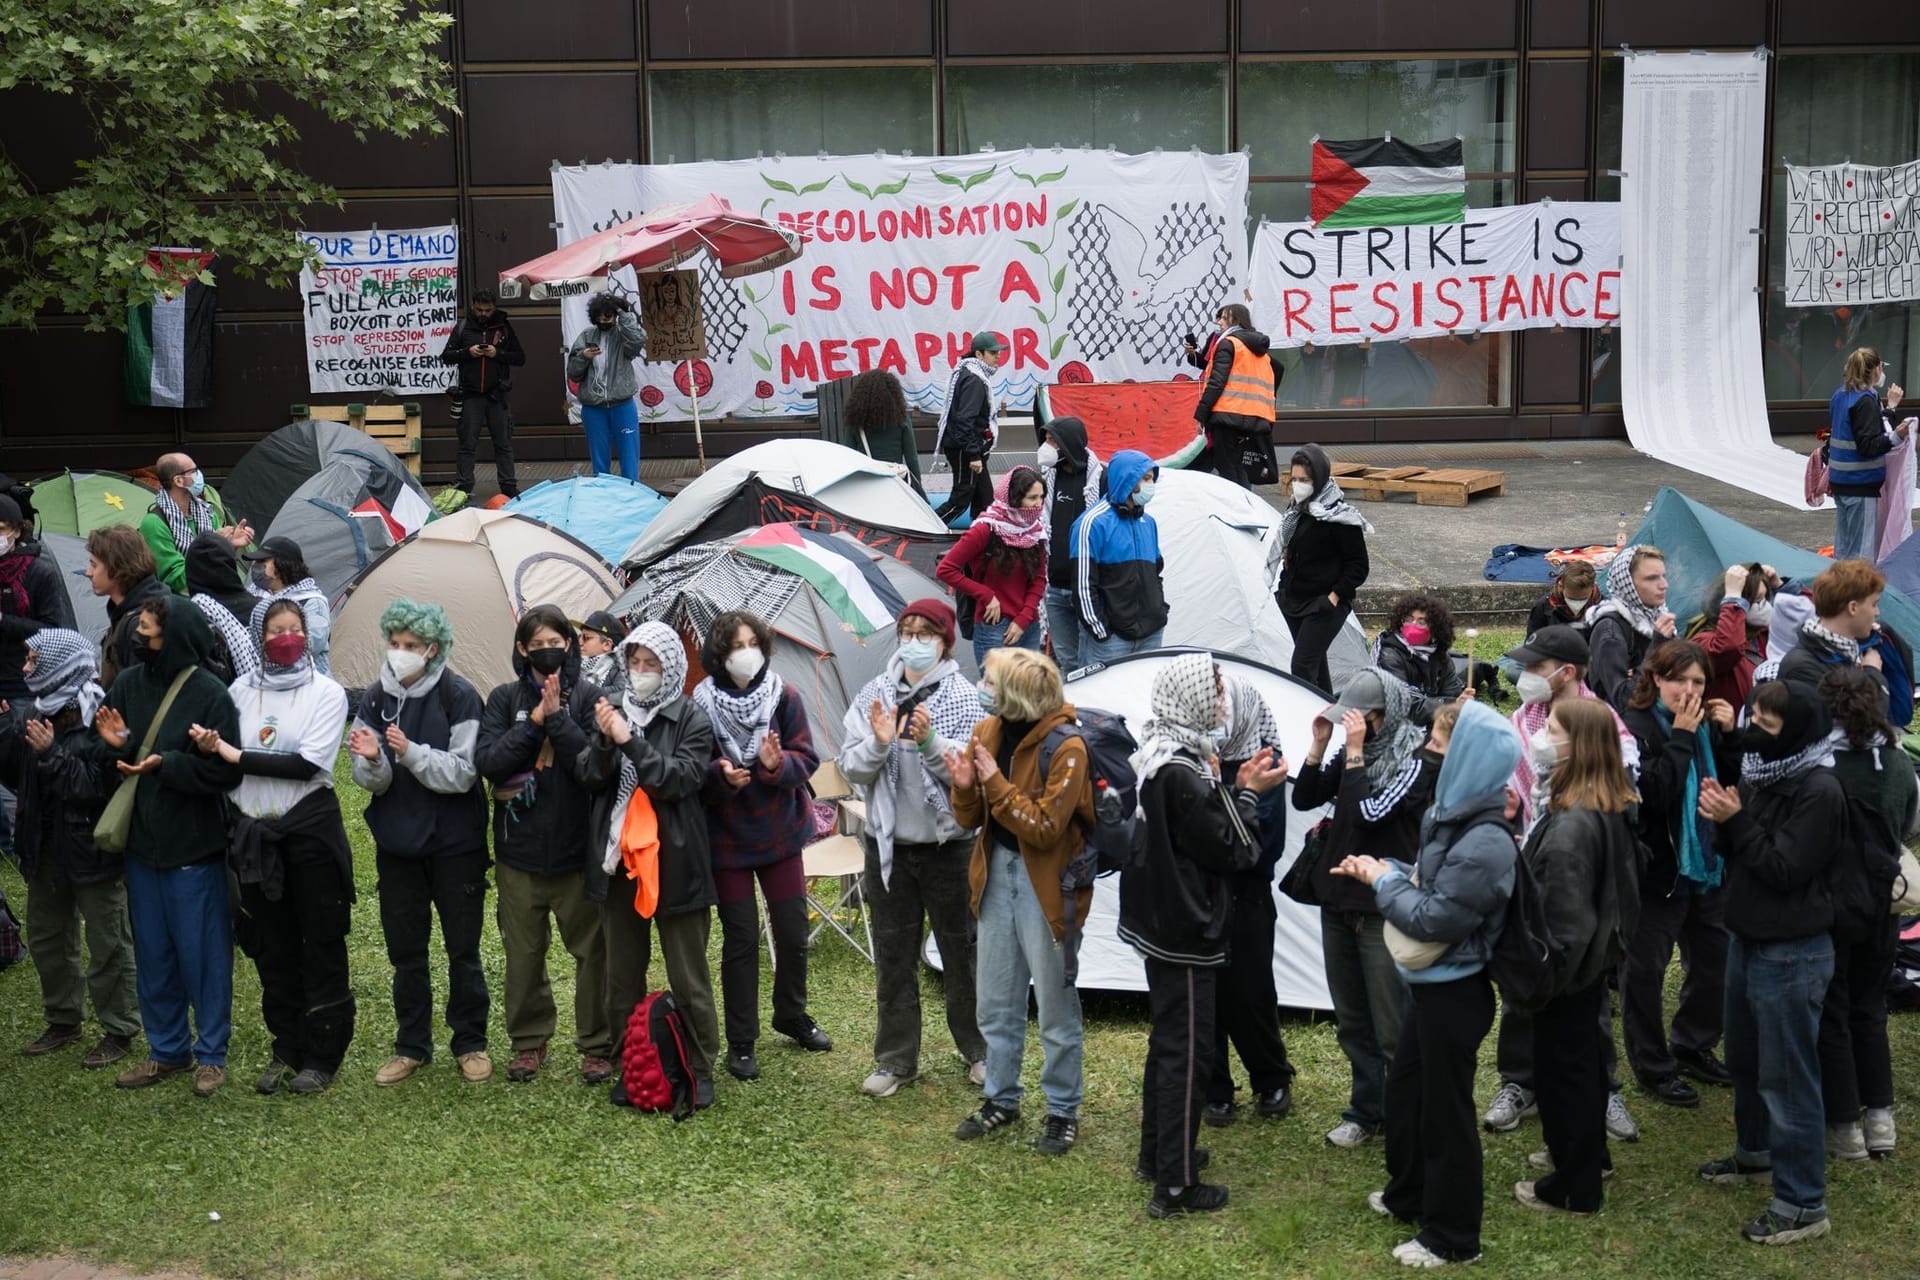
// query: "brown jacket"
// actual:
[[1040, 812]]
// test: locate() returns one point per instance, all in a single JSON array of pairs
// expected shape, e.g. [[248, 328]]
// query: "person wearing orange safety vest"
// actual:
[[1236, 406]]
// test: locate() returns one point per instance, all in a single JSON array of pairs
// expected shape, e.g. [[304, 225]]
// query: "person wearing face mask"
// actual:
[[31, 594], [1000, 565], [1632, 621], [1846, 631], [1861, 432], [1574, 591], [1324, 540], [1732, 629], [965, 436], [656, 745], [1176, 910], [1686, 741], [895, 739], [1777, 834], [535, 750], [759, 819], [1379, 781], [600, 363], [1075, 478], [281, 571], [1414, 648], [875, 413], [213, 584], [412, 746], [1236, 405], [289, 853], [176, 847], [1116, 552], [186, 507]]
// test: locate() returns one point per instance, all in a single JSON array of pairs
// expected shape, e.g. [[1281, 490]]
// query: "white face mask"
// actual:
[[1577, 607], [1047, 456], [1760, 614], [6, 544], [1534, 688], [1301, 490], [643, 684], [405, 664], [1542, 752], [744, 664]]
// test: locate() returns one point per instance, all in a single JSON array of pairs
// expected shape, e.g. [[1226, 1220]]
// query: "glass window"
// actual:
[[736, 115], [1132, 107], [1606, 138], [1283, 105], [1421, 373]]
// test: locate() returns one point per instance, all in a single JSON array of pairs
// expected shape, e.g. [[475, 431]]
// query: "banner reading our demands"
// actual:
[[380, 308], [1853, 234], [1523, 267], [1085, 261]]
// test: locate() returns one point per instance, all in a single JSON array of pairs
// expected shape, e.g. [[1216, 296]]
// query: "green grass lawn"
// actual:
[[798, 1175]]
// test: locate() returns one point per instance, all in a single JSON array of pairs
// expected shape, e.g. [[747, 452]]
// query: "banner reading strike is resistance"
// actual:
[[1853, 234]]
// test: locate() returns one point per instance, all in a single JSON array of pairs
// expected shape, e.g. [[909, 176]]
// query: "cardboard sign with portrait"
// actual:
[[670, 310]]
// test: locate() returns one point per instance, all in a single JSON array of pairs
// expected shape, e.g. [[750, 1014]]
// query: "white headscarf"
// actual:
[[663, 642]]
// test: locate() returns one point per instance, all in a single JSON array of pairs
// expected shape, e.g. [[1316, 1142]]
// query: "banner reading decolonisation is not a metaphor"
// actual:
[[1087, 258], [1522, 267]]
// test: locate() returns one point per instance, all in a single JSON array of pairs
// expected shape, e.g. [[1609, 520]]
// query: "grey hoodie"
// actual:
[[610, 379]]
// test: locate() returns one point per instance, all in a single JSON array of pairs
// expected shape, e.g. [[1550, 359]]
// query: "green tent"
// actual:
[[78, 502]]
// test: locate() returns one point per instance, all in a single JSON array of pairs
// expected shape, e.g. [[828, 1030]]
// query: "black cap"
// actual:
[[275, 549], [1556, 644], [603, 623], [10, 511]]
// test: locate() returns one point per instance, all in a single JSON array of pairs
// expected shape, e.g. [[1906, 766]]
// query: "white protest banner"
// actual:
[[1853, 234], [1078, 258], [380, 308], [1525, 267]]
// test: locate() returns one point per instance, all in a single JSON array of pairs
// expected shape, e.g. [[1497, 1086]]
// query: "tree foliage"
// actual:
[[185, 146]]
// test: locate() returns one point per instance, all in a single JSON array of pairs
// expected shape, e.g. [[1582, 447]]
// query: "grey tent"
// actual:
[[269, 472], [351, 512], [89, 610]]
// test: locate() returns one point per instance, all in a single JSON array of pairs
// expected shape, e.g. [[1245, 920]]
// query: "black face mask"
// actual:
[[149, 658], [1757, 740], [546, 661]]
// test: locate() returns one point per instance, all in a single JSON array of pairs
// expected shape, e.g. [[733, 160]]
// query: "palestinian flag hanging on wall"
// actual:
[[170, 337], [1378, 182]]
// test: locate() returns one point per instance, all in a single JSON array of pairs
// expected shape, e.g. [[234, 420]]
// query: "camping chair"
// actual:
[[841, 856]]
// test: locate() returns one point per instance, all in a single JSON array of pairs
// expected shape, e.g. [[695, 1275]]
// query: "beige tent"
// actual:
[[484, 568]]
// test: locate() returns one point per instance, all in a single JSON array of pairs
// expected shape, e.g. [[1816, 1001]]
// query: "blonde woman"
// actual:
[[1860, 434]]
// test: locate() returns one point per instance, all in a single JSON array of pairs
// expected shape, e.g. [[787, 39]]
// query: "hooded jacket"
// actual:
[[428, 802], [1665, 757], [1116, 550], [608, 379], [484, 375], [1585, 864], [60, 796], [180, 810], [1436, 676], [117, 652], [1073, 485], [541, 819], [670, 764], [213, 570], [1780, 846], [1322, 556], [40, 598], [1220, 366], [1176, 902]]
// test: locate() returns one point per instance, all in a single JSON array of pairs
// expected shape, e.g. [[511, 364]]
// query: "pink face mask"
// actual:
[[284, 649], [1416, 633]]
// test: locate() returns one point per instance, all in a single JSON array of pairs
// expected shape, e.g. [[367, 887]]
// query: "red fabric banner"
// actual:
[[1154, 417]]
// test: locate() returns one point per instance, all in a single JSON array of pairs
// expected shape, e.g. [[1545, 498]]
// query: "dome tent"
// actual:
[[268, 473], [78, 502], [350, 513], [605, 512], [484, 568], [69, 551]]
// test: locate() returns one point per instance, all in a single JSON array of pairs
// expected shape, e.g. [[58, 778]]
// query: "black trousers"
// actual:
[[784, 885], [1179, 1048], [1514, 1055], [1856, 1063], [411, 891], [1246, 1009], [928, 887], [1314, 624], [972, 490], [477, 411], [1434, 1162], [1572, 1092], [1698, 922], [299, 947]]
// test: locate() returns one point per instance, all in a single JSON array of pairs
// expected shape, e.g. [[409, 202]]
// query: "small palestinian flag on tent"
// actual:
[[170, 334], [841, 571], [1378, 182]]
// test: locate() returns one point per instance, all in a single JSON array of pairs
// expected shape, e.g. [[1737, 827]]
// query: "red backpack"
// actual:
[[654, 1074]]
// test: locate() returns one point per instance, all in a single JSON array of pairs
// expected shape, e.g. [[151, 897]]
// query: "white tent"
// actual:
[[848, 482], [1126, 687]]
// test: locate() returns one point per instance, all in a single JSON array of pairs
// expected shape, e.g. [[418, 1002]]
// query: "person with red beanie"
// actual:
[[999, 566]]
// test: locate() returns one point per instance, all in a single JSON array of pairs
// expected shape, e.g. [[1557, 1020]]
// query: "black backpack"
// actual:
[[1860, 877], [1522, 964], [1119, 833]]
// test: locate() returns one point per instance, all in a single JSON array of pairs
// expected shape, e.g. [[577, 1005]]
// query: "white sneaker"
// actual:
[[977, 1072], [1415, 1254], [1543, 1161], [1846, 1142], [1620, 1125], [1879, 1132], [883, 1083], [1349, 1135], [1509, 1107], [1377, 1201]]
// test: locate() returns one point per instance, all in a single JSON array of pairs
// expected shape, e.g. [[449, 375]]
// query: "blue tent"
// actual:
[[1700, 543], [605, 512]]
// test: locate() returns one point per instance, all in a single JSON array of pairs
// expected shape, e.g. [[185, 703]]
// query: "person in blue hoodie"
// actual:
[[1117, 564], [1454, 901]]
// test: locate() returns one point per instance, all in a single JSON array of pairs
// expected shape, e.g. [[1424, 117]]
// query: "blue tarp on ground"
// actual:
[[1700, 543], [605, 512]]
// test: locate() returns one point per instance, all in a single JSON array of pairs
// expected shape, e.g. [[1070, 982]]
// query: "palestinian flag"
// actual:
[[1378, 182], [170, 336], [842, 572]]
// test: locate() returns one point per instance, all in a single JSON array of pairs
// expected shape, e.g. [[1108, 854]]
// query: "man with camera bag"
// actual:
[[486, 348], [1236, 405]]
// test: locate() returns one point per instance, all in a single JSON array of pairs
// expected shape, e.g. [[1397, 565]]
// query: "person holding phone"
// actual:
[[485, 348], [600, 363], [1861, 432]]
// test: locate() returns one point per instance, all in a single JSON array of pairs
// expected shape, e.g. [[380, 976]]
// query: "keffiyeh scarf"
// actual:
[[1250, 722], [1329, 506], [664, 643], [66, 673], [741, 717], [1018, 528], [240, 646], [1398, 738], [1186, 710], [186, 525], [1623, 597], [952, 705], [975, 366], [1843, 647], [1766, 773]]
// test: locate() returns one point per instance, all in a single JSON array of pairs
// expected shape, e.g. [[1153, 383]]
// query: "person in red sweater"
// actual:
[[1000, 565], [1733, 630]]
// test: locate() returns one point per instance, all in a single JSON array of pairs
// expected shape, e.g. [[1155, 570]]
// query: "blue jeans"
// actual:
[[1856, 528], [608, 426], [1093, 650], [988, 636], [183, 957], [1063, 627], [1016, 945], [1774, 994], [1369, 1006]]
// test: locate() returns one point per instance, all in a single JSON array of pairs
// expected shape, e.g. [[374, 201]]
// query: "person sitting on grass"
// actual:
[[1732, 629], [1631, 622], [1414, 646], [1566, 604]]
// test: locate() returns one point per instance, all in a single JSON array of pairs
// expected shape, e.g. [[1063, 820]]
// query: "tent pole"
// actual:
[[699, 441]]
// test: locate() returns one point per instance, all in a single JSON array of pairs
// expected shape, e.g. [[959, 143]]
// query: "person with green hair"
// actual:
[[412, 746]]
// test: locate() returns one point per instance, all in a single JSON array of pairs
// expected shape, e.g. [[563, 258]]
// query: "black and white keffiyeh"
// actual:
[[1811, 632], [1251, 725], [1329, 506], [66, 673], [741, 717], [972, 366], [1623, 597], [1186, 711], [1762, 772], [664, 643], [240, 646], [189, 524], [953, 707]]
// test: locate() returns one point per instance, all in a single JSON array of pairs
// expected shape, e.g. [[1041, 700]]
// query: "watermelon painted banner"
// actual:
[[1087, 256], [846, 577], [1518, 267], [169, 357], [1377, 182]]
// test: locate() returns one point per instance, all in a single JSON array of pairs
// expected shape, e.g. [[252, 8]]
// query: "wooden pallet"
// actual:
[[397, 426], [1428, 486]]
